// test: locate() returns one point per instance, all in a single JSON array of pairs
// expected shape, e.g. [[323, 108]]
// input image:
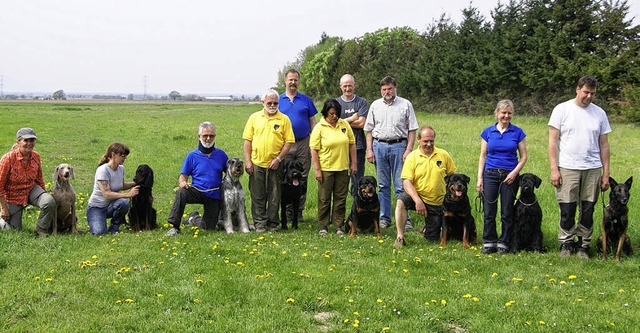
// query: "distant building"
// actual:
[[218, 98]]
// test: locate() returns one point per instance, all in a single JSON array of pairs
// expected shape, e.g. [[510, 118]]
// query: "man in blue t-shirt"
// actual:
[[301, 111], [206, 165]]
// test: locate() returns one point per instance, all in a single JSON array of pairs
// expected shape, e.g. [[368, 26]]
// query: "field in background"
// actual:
[[289, 281]]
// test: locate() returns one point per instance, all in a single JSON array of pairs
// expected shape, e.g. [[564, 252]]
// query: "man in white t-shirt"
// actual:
[[579, 159]]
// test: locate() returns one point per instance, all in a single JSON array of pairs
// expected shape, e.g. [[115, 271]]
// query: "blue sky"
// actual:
[[192, 46]]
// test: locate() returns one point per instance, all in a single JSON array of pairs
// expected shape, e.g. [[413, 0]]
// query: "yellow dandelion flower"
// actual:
[[48, 279], [128, 300], [118, 302], [621, 291], [37, 278], [159, 295], [379, 300], [494, 274], [443, 302], [456, 272], [404, 270], [466, 296], [356, 323], [291, 300], [356, 313], [515, 279], [510, 303], [475, 299], [562, 283], [552, 281], [541, 322], [284, 252], [386, 328], [380, 241], [196, 300], [305, 254], [572, 277], [94, 257], [350, 300], [345, 321], [199, 281], [115, 282]]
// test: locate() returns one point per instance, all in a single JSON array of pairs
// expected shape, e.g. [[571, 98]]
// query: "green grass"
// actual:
[[291, 281]]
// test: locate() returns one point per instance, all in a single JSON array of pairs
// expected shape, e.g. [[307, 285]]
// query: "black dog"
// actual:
[[365, 210], [616, 220], [458, 222], [527, 222], [291, 192], [142, 215], [233, 214]]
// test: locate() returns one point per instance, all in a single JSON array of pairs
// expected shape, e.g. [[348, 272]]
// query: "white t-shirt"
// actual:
[[115, 180], [580, 130]]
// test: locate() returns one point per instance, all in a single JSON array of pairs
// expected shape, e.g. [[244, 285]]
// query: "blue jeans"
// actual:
[[97, 217], [494, 187], [388, 159]]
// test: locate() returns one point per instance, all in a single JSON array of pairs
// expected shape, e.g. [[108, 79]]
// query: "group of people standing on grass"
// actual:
[[349, 132]]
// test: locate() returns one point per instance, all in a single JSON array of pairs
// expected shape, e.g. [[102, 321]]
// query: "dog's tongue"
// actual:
[[296, 182], [458, 193], [370, 195]]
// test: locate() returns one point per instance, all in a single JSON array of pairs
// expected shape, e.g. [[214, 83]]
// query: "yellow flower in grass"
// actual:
[[541, 322], [443, 302], [199, 281], [128, 300], [115, 282], [48, 279], [515, 279], [572, 277], [37, 278], [466, 296], [379, 300], [510, 303], [621, 291], [118, 302], [386, 328], [552, 281], [291, 300], [196, 300], [475, 299], [356, 323]]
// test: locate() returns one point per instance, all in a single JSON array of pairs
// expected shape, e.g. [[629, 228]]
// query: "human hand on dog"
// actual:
[[134, 191]]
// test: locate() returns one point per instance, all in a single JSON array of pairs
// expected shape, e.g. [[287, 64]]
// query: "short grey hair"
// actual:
[[206, 124], [347, 77], [504, 104], [269, 93]]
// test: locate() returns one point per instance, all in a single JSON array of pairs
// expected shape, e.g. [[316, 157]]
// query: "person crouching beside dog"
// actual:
[[107, 199], [22, 184], [206, 165], [579, 159], [268, 136], [423, 176], [498, 176], [332, 145]]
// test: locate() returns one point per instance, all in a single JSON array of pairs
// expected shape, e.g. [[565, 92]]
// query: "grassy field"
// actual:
[[292, 281]]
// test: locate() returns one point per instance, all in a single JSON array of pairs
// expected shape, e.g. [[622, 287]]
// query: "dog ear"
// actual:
[[466, 179], [148, 180], [612, 182], [629, 182], [538, 181], [55, 173], [446, 178]]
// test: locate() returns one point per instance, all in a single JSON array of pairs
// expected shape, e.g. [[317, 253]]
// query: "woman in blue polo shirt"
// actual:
[[498, 169]]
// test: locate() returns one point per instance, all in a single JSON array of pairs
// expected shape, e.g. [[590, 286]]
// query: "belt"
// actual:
[[392, 141], [298, 140], [498, 170]]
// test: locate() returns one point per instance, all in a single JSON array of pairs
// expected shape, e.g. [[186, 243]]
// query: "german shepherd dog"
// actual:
[[66, 219], [365, 210], [142, 215], [615, 221], [457, 220], [527, 221], [291, 192], [233, 214]]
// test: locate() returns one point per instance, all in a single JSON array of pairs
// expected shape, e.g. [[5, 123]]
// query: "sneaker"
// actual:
[[190, 218], [113, 229], [583, 253], [324, 231], [399, 243], [489, 250], [260, 229], [173, 232], [502, 250], [566, 249], [408, 226], [339, 231], [384, 224], [41, 232]]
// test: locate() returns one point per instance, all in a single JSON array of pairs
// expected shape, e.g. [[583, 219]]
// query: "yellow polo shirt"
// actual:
[[427, 173], [332, 144], [267, 135]]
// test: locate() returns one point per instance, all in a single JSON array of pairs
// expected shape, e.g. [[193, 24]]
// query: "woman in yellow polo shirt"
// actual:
[[333, 154]]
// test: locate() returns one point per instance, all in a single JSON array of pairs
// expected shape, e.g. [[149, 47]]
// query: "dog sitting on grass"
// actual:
[[233, 215], [616, 221], [65, 219]]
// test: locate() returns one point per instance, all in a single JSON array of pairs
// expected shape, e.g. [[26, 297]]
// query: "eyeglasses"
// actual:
[[123, 155], [272, 103], [29, 140], [208, 136]]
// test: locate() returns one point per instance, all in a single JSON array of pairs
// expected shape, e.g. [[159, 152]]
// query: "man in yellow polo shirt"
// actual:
[[268, 136], [424, 186]]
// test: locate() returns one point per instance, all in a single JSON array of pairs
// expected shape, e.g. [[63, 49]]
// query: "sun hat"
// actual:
[[26, 133]]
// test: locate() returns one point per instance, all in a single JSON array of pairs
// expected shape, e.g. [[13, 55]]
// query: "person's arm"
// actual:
[[315, 160], [109, 195], [356, 121], [554, 135], [522, 152], [312, 122], [413, 193], [370, 156], [481, 162], [411, 139], [605, 154], [183, 181], [248, 165], [354, 160], [283, 152]]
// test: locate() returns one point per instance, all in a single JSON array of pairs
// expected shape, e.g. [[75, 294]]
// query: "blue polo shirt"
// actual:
[[502, 148], [299, 111], [206, 171]]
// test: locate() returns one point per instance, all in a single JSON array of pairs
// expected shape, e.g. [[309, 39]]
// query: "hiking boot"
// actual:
[[489, 250], [190, 218], [503, 250], [384, 224], [173, 232], [324, 231], [339, 231], [408, 226], [41, 232], [399, 243], [583, 253], [566, 250]]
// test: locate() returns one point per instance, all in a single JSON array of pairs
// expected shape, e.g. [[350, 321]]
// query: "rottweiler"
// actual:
[[616, 220], [458, 222], [527, 221], [365, 210]]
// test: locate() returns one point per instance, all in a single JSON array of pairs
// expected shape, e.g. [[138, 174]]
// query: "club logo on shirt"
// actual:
[[276, 126], [344, 130], [439, 163]]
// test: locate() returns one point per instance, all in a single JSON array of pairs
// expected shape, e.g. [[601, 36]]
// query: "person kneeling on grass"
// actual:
[[206, 165]]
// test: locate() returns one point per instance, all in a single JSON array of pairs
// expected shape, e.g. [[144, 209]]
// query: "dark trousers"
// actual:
[[193, 196], [265, 186], [495, 189]]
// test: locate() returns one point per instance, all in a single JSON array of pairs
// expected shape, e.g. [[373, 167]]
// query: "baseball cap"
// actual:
[[26, 133]]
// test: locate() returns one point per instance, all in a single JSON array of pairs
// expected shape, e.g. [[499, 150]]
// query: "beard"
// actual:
[[271, 111], [389, 97], [207, 145]]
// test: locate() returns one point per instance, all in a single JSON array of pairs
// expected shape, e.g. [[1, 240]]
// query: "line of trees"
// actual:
[[531, 51]]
